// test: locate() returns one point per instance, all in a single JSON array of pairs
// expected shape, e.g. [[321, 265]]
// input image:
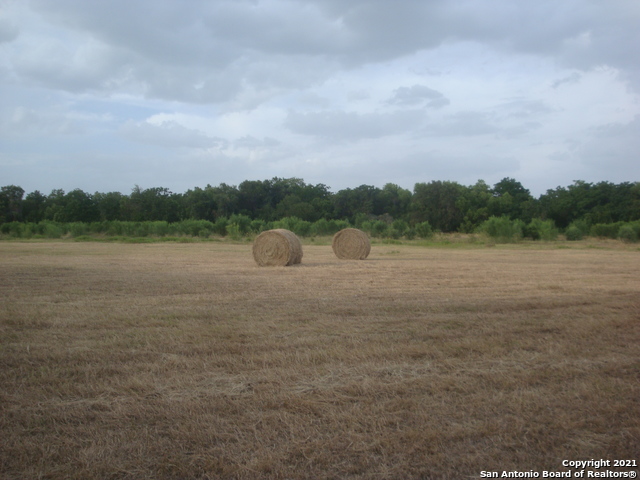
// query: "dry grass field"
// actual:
[[188, 361]]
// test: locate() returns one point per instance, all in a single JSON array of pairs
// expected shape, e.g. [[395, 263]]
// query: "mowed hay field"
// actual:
[[185, 361]]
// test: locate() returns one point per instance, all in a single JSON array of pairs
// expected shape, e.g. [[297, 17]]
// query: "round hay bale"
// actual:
[[351, 244], [277, 247]]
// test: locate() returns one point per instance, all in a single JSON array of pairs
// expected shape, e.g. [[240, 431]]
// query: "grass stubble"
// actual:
[[189, 361]]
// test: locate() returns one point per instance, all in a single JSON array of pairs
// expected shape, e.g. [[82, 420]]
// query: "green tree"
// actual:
[[11, 203], [200, 204], [153, 204], [226, 200], [109, 205], [437, 203], [254, 198], [350, 202], [33, 207], [294, 206], [510, 198], [395, 201], [79, 206], [474, 205]]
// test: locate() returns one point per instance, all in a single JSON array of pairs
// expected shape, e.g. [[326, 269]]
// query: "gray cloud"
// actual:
[[462, 124], [568, 80], [8, 30], [341, 126], [227, 46], [613, 146], [168, 134], [418, 94], [249, 141], [23, 121], [261, 88]]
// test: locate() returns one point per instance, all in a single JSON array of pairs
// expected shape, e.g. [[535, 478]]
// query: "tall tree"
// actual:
[[157, 203], [11, 203], [364, 199], [34, 206], [437, 203], [395, 201], [226, 199], [200, 204], [474, 205], [510, 198], [77, 206], [110, 205]]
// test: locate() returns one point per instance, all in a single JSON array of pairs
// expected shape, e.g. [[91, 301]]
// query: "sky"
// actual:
[[104, 95]]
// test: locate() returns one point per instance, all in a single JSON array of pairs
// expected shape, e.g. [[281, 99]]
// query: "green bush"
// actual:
[[539, 229], [77, 229], [13, 229], [400, 226], [300, 227], [628, 234], [327, 227], [233, 230], [573, 233], [320, 227], [577, 230], [193, 228], [242, 221], [503, 229], [220, 226], [606, 230], [424, 230], [159, 228], [379, 229], [258, 226]]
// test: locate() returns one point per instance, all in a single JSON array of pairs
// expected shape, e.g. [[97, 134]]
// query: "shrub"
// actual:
[[77, 229], [424, 230], [233, 230], [193, 228], [628, 234], [400, 226], [294, 224], [503, 229], [327, 227], [114, 227], [97, 227], [258, 226], [636, 227], [539, 229], [367, 226], [220, 227], [242, 221], [573, 233], [320, 227], [379, 228], [577, 230], [607, 230], [159, 228], [13, 229]]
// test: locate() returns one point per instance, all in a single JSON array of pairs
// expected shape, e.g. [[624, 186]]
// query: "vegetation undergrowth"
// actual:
[[239, 228]]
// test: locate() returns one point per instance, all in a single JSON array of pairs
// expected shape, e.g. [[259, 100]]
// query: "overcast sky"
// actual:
[[103, 95]]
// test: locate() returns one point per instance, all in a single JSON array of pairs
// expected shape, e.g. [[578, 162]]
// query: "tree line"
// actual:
[[445, 206]]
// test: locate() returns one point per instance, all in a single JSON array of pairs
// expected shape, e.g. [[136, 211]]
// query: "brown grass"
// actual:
[[186, 361]]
